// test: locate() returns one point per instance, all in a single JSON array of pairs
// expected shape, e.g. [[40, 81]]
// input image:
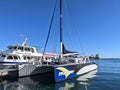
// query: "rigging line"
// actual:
[[50, 28], [68, 33], [76, 30], [55, 38], [83, 52]]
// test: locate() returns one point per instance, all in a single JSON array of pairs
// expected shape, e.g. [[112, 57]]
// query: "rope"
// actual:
[[75, 32], [49, 29]]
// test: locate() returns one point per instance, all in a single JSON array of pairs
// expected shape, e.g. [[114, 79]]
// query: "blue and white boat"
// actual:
[[19, 54], [23, 60], [69, 64]]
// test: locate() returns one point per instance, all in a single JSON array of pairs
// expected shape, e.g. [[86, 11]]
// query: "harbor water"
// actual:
[[107, 77]]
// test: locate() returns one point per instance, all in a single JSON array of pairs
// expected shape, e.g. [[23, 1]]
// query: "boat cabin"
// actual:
[[21, 49], [9, 57], [14, 58]]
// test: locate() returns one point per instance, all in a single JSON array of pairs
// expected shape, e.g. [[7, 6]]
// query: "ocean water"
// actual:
[[107, 77]]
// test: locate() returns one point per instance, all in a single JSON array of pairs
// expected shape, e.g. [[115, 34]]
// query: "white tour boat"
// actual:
[[23, 60]]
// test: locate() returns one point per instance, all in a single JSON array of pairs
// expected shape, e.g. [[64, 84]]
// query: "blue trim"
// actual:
[[13, 62]]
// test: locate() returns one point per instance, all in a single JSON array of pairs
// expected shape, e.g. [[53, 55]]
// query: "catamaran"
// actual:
[[69, 64]]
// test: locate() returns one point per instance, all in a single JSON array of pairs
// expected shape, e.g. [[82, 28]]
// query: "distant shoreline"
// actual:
[[109, 59]]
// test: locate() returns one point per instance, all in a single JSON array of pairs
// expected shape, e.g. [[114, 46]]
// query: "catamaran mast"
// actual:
[[61, 43]]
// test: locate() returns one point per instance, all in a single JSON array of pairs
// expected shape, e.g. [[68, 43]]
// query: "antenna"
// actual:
[[24, 43]]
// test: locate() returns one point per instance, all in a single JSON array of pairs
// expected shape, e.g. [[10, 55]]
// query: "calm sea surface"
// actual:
[[107, 77]]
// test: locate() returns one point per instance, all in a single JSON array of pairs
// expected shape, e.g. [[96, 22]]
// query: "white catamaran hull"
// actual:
[[87, 69], [64, 72]]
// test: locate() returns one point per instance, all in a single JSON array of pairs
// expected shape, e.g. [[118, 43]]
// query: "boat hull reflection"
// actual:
[[45, 81]]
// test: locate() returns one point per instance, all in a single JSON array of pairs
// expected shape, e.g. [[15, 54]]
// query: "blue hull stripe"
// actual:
[[13, 62]]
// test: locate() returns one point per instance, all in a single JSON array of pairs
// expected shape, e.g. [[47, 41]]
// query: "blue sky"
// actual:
[[89, 26]]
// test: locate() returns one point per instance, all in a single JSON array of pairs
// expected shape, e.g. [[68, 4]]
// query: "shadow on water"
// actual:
[[45, 82]]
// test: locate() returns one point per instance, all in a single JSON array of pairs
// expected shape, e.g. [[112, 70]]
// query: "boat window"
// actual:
[[28, 57], [20, 48], [15, 57], [14, 47], [24, 58], [28, 49], [9, 57], [10, 47], [32, 50]]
